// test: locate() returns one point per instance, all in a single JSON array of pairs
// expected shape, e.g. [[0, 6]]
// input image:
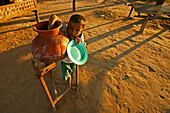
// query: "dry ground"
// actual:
[[126, 72]]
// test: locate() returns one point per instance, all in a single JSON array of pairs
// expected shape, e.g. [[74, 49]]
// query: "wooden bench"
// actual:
[[16, 9], [11, 10], [150, 9]]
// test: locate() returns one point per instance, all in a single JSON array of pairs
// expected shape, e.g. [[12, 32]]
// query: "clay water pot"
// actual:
[[49, 45]]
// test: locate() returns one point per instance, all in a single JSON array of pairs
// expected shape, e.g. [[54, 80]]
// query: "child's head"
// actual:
[[76, 25]]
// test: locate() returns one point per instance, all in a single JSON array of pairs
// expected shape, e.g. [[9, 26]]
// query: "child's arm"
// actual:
[[52, 20]]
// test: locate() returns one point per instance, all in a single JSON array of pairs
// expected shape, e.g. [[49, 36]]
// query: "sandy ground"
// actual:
[[126, 72]]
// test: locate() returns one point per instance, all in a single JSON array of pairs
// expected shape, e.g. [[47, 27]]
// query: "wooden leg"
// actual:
[[47, 92], [144, 24], [36, 15], [54, 85], [42, 81], [74, 6], [130, 11], [54, 93], [77, 77]]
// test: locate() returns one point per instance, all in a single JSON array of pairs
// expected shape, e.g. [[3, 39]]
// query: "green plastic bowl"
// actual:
[[77, 53]]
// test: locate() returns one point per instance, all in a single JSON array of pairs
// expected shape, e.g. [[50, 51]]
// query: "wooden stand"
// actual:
[[40, 75]]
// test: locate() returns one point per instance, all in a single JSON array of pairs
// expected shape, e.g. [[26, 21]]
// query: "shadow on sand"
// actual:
[[22, 92]]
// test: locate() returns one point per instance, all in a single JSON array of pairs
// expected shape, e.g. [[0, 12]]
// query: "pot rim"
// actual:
[[54, 29]]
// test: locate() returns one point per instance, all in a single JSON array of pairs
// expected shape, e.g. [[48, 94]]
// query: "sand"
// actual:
[[126, 72]]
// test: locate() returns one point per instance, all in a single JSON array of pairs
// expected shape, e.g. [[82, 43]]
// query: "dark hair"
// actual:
[[77, 19]]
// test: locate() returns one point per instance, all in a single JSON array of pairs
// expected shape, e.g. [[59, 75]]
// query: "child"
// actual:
[[73, 32]]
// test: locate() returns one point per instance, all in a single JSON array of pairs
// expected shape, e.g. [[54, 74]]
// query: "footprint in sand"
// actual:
[[150, 69], [162, 96], [126, 77]]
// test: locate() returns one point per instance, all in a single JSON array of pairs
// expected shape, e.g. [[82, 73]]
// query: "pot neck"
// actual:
[[42, 29], [47, 33]]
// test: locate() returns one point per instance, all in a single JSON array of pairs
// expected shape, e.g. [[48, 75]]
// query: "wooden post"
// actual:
[[77, 77], [74, 6], [130, 11], [36, 15], [144, 24]]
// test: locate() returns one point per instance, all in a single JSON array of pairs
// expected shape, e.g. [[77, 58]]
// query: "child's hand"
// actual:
[[77, 40]]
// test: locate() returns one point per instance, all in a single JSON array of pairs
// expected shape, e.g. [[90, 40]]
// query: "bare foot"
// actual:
[[69, 81], [72, 73]]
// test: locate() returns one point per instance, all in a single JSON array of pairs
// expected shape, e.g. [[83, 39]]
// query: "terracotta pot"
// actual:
[[50, 45]]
